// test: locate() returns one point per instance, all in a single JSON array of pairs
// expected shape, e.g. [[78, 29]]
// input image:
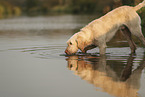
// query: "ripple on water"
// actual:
[[44, 52]]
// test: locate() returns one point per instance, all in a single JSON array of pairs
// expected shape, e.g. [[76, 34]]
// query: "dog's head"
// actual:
[[74, 43]]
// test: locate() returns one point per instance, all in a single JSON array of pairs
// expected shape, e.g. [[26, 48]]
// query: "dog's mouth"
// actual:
[[68, 53]]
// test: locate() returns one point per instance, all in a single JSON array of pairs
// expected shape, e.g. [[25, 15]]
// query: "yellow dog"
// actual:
[[101, 30]]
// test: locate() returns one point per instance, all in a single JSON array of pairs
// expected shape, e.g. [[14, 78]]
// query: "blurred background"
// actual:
[[16, 8], [10, 8]]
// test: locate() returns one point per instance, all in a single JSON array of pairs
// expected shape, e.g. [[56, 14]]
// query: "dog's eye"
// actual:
[[70, 43]]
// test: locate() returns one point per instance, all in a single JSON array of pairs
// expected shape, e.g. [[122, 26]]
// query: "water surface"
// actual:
[[31, 64]]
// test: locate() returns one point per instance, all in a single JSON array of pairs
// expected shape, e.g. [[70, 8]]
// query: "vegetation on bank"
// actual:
[[34, 7], [142, 15], [10, 8]]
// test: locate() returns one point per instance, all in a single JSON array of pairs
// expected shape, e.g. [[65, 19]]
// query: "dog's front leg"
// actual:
[[102, 48]]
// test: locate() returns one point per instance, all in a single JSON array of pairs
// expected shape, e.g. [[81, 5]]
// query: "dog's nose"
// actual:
[[66, 51]]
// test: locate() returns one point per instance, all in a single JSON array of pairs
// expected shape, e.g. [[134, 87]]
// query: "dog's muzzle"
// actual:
[[67, 52]]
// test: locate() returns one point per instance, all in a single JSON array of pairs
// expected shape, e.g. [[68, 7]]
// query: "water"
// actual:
[[32, 62]]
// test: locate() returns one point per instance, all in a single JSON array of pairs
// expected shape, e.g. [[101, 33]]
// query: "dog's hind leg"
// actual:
[[136, 30], [127, 34]]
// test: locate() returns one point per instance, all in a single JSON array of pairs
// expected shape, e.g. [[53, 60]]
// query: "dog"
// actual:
[[102, 30]]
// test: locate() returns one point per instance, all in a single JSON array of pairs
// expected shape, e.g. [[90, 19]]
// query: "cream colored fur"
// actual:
[[101, 30]]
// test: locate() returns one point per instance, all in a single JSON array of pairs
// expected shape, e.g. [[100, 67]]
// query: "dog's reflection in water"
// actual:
[[96, 71]]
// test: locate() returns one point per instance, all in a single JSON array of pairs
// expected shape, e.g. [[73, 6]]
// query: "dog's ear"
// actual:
[[80, 43]]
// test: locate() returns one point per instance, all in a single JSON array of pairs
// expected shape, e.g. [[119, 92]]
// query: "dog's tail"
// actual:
[[139, 6]]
